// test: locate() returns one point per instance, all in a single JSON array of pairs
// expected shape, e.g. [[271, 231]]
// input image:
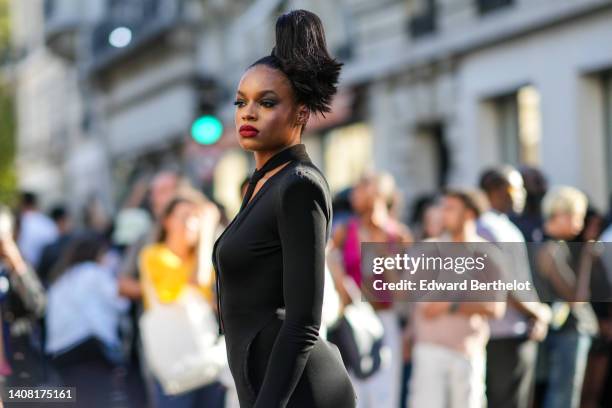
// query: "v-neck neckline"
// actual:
[[254, 199], [267, 180]]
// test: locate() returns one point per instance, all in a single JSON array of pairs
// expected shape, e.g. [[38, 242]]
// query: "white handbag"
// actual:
[[359, 334], [181, 342]]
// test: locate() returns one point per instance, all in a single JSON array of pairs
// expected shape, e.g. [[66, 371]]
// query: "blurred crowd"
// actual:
[[74, 291]]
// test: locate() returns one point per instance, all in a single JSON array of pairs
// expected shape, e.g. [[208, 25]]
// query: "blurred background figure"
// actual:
[[82, 321], [529, 220], [342, 208], [598, 372], [593, 225], [606, 316], [564, 272], [52, 252], [35, 229], [22, 297], [130, 225], [512, 347], [96, 216], [170, 265], [449, 338], [371, 199], [163, 188], [426, 220]]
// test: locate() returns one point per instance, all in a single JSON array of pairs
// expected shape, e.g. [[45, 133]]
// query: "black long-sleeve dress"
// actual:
[[271, 257]]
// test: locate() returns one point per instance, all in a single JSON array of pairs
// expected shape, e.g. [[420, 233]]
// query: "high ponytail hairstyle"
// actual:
[[301, 54]]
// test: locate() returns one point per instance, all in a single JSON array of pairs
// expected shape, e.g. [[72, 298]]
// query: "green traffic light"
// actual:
[[206, 130]]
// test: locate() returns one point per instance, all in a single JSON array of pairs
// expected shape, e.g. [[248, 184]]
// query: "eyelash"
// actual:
[[264, 103]]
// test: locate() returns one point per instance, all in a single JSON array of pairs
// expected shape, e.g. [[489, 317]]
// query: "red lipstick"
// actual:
[[248, 131]]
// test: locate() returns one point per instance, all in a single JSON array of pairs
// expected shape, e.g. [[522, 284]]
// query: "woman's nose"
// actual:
[[249, 112]]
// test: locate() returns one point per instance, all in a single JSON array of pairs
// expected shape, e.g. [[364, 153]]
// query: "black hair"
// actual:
[[495, 178], [58, 213], [472, 199], [301, 54], [84, 246], [29, 199], [420, 206], [536, 186], [189, 198]]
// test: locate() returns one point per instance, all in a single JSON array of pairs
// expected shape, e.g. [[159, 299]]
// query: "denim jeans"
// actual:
[[568, 352]]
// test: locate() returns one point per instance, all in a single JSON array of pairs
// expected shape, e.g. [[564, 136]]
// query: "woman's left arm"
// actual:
[[302, 224]]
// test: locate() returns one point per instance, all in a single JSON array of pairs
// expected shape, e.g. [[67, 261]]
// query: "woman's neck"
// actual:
[[376, 217], [261, 157], [178, 247]]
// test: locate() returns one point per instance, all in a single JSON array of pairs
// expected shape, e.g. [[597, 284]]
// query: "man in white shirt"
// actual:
[[512, 348]]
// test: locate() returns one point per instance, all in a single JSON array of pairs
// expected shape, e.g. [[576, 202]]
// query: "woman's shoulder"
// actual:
[[152, 249], [304, 178], [152, 253]]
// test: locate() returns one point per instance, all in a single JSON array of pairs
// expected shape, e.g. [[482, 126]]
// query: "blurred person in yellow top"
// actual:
[[171, 263]]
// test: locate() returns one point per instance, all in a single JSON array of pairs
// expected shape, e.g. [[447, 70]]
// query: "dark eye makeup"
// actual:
[[266, 103]]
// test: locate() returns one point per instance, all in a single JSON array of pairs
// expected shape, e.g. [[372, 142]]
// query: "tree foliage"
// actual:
[[4, 28], [8, 176]]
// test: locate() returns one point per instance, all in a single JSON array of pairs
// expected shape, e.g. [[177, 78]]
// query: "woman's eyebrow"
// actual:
[[259, 94], [267, 91]]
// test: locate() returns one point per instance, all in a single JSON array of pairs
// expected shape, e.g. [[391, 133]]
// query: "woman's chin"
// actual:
[[251, 143]]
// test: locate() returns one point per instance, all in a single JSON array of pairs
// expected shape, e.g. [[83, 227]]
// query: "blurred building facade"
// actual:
[[432, 90]]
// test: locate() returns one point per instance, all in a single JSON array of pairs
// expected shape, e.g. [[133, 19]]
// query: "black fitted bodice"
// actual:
[[271, 257]]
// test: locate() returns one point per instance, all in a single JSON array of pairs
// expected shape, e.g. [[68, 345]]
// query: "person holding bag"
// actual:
[[374, 358], [179, 329]]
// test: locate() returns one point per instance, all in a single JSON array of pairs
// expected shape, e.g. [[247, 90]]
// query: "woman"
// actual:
[[170, 265], [270, 260], [371, 198], [564, 277], [82, 321]]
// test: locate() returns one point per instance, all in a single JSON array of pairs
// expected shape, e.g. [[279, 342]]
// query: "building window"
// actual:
[[342, 169], [433, 156], [519, 126], [345, 51], [487, 6], [423, 21], [49, 7], [607, 83], [138, 10]]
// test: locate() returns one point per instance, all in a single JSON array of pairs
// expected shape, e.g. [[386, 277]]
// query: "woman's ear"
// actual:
[[303, 114]]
